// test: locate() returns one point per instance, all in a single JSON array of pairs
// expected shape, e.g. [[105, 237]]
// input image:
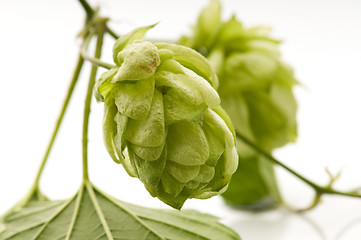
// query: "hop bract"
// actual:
[[163, 121], [255, 87]]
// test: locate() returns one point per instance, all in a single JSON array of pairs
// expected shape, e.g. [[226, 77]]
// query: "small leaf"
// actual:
[[93, 215]]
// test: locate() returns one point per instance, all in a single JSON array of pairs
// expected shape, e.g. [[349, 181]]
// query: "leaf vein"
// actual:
[[177, 227], [51, 218], [75, 214], [131, 214], [99, 211]]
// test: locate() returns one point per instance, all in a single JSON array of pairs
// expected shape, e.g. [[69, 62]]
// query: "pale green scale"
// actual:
[[139, 61], [143, 167], [187, 144], [149, 132], [180, 83], [148, 153], [171, 185], [126, 97], [177, 108], [183, 173], [191, 59], [205, 174]]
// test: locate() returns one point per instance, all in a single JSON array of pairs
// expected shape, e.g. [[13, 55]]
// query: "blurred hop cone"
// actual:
[[255, 88], [163, 120]]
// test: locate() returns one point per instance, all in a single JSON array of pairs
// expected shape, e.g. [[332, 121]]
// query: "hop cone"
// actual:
[[163, 121], [255, 88]]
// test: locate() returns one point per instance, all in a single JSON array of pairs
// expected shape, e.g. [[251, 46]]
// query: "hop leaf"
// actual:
[[92, 215], [255, 87], [163, 120]]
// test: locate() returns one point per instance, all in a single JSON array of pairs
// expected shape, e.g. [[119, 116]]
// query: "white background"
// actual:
[[322, 41]]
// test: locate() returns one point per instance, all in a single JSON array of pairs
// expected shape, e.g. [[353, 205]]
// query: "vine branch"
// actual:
[[94, 60], [100, 34], [73, 82], [320, 190], [87, 8]]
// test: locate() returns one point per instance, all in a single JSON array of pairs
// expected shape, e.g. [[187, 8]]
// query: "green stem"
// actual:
[[90, 13], [89, 10], [112, 33], [60, 119], [34, 192], [95, 61], [94, 69], [319, 189]]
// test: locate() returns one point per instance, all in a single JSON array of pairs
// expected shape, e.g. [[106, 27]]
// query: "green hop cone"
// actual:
[[163, 120], [255, 87]]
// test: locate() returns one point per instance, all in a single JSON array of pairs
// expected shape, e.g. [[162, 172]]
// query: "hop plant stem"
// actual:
[[34, 192], [95, 61], [73, 82], [320, 190], [100, 32], [87, 8]]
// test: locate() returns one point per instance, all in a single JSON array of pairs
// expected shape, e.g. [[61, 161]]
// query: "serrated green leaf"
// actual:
[[93, 215]]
